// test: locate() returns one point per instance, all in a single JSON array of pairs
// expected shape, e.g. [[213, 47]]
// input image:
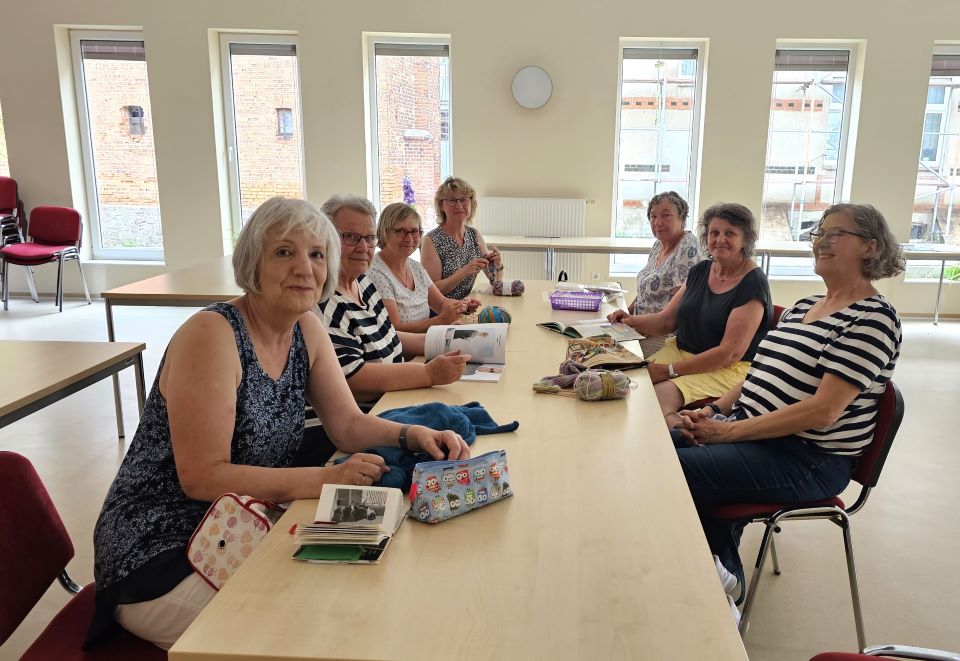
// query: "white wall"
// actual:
[[565, 149]]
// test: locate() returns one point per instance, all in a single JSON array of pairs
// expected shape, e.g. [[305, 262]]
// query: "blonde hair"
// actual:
[[454, 186], [390, 216]]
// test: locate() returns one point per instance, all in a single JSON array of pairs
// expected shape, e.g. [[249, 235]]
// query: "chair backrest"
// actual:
[[889, 416], [55, 225], [34, 545], [775, 319], [8, 196]]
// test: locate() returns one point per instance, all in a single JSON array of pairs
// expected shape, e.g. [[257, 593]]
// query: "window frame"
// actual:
[[693, 163], [231, 155], [373, 128], [86, 147]]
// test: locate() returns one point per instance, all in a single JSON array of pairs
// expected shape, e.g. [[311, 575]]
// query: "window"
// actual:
[[657, 141], [4, 164], [284, 123], [261, 90], [113, 96], [936, 204], [805, 141], [410, 122]]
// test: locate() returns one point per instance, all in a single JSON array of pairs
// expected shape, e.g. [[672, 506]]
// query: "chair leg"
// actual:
[[773, 554], [755, 578], [6, 283], [854, 587], [86, 290], [32, 284], [60, 283]]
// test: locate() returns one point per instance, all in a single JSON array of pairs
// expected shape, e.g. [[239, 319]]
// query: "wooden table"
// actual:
[[40, 373], [599, 555], [196, 286]]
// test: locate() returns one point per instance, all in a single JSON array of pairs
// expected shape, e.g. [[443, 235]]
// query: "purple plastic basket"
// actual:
[[575, 300]]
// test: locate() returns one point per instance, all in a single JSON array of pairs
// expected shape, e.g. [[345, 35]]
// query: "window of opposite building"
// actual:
[[120, 172], [409, 99], [261, 90], [936, 201], [658, 137], [806, 144]]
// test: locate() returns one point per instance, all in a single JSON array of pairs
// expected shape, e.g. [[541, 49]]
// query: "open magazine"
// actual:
[[486, 344], [603, 352], [352, 524], [592, 328]]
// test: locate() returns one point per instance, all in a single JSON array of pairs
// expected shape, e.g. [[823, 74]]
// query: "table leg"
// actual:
[[141, 387], [936, 310], [550, 256], [116, 378]]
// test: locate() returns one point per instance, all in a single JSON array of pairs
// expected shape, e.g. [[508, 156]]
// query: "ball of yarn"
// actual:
[[493, 314], [593, 385], [513, 288]]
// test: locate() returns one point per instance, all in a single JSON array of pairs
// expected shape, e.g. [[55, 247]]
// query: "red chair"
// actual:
[[896, 651], [866, 473], [34, 550], [13, 222], [56, 233]]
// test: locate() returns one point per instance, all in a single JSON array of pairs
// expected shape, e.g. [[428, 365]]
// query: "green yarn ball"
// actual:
[[493, 314]]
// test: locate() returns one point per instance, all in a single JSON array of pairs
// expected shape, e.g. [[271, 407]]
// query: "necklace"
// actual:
[[729, 276]]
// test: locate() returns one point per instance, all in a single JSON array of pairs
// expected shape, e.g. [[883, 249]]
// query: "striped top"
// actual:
[[360, 333], [860, 344]]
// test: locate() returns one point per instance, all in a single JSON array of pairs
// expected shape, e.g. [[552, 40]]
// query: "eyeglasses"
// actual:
[[457, 201], [404, 233], [352, 239], [830, 236]]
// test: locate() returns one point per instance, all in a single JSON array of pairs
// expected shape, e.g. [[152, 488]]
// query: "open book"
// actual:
[[592, 328], [486, 344], [603, 352], [352, 524]]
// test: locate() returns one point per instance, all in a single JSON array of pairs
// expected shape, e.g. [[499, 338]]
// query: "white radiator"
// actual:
[[533, 217]]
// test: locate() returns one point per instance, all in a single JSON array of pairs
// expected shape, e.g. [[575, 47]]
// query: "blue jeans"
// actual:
[[783, 470]]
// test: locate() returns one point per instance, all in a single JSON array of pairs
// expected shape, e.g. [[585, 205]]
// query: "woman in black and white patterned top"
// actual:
[[225, 414], [371, 352], [808, 405], [454, 253]]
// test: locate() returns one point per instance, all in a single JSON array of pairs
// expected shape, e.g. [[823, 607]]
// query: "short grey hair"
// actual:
[[673, 197], [390, 216], [888, 260], [737, 215], [341, 201], [286, 215]]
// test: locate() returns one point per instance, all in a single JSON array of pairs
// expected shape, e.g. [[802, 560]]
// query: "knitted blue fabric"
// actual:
[[470, 420]]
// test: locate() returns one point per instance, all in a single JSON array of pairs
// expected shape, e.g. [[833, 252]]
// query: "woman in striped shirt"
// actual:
[[371, 352], [790, 433]]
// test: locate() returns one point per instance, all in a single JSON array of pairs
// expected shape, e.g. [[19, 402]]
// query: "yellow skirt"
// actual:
[[695, 387]]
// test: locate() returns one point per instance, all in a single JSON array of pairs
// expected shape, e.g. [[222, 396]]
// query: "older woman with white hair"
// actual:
[[226, 414], [372, 353]]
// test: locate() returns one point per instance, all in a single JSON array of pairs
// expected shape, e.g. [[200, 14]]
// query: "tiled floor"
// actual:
[[907, 539]]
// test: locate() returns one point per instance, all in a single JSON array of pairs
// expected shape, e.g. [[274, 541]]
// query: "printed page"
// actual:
[[489, 372], [595, 327], [363, 508], [486, 343]]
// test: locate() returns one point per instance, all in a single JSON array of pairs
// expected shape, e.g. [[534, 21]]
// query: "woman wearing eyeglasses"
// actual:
[[406, 288], [808, 405], [370, 350], [454, 253]]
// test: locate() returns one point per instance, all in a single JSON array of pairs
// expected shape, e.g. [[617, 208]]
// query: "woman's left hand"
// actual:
[[704, 431], [658, 372], [438, 444]]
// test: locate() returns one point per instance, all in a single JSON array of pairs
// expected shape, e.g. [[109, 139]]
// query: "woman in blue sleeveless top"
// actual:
[[225, 414]]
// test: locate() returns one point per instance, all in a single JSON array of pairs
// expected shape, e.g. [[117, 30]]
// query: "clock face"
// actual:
[[532, 87]]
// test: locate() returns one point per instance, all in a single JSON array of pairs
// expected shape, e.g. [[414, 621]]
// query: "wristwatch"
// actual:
[[672, 372], [715, 408], [402, 438]]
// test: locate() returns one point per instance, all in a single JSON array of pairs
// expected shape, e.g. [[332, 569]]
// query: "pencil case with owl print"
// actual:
[[444, 489]]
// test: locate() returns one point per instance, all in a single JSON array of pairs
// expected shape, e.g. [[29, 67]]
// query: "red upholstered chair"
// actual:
[[895, 651], [866, 473], [55, 234], [34, 550], [13, 222]]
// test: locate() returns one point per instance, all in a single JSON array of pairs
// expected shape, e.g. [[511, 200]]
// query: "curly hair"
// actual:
[[888, 259], [683, 209], [454, 186], [737, 215]]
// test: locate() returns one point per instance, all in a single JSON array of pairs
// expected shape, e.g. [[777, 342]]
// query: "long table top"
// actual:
[[209, 282], [37, 369], [599, 554]]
